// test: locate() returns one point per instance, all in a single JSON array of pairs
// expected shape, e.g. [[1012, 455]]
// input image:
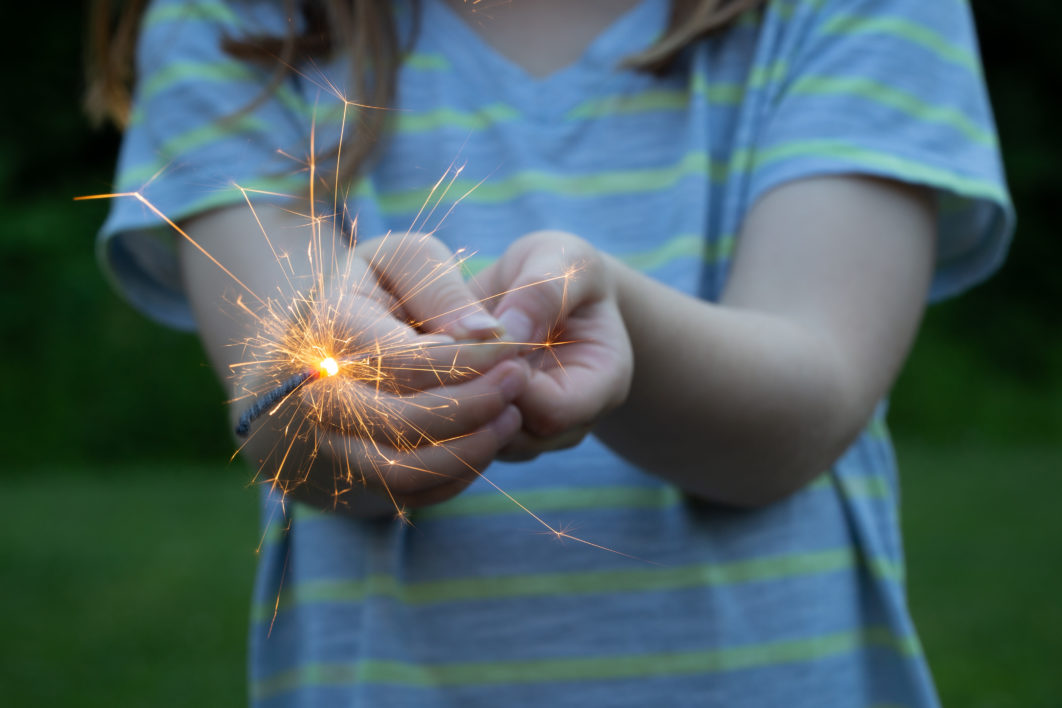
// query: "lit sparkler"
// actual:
[[325, 368]]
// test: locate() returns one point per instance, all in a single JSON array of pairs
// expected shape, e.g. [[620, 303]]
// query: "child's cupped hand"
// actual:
[[418, 407], [555, 290]]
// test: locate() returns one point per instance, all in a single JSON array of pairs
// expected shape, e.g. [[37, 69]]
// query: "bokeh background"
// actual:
[[127, 537]]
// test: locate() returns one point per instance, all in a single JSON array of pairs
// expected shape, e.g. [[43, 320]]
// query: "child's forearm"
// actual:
[[745, 401], [734, 406]]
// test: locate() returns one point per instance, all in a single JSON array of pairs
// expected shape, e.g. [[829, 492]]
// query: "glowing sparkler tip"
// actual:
[[329, 366]]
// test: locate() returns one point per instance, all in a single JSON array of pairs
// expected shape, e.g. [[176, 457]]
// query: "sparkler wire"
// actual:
[[268, 399]]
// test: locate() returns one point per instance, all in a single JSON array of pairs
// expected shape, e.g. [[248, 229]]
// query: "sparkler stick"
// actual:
[[266, 400]]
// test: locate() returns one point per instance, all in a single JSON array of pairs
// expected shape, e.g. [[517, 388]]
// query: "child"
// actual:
[[751, 200]]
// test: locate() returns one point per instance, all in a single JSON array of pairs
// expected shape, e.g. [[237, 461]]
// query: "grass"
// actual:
[[984, 551], [131, 587], [126, 588]]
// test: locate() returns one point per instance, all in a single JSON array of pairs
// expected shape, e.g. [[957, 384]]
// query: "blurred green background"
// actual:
[[127, 538]]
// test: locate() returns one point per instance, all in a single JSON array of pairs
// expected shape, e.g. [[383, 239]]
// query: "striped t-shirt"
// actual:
[[800, 603]]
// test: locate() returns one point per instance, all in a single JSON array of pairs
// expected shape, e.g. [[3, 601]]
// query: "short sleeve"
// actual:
[[890, 88], [198, 128]]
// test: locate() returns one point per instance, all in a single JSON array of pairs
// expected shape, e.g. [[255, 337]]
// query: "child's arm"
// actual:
[[474, 416], [747, 400]]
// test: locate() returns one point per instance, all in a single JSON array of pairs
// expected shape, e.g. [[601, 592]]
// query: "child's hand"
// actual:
[[559, 293], [408, 414]]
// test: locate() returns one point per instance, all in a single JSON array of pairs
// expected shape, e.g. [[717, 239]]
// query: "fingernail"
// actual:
[[438, 339], [516, 326], [479, 323], [507, 423]]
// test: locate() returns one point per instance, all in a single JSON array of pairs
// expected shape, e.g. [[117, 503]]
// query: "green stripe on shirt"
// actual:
[[550, 500], [902, 168], [673, 249], [594, 184], [640, 580], [617, 182], [134, 177], [194, 71], [847, 24], [485, 117], [885, 95], [206, 11], [587, 668]]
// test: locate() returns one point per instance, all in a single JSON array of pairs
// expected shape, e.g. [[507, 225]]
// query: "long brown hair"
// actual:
[[365, 27]]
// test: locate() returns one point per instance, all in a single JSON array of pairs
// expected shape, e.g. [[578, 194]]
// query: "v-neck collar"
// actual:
[[477, 61]]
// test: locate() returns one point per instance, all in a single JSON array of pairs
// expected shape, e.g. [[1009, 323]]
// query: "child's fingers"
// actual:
[[550, 275], [425, 278], [486, 286], [437, 362], [434, 495], [557, 402], [554, 405], [526, 446], [422, 419], [366, 336], [592, 374], [363, 325], [427, 474]]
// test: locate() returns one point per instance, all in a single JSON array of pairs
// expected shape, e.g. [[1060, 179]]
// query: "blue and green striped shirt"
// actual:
[[797, 604]]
